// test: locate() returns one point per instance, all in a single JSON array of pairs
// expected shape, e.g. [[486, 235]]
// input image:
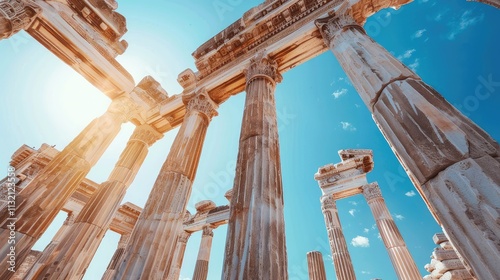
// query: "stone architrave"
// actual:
[[401, 259], [39, 202], [340, 254], [78, 247], [150, 252], [315, 266], [201, 268], [451, 161], [255, 243], [180, 249], [16, 15], [115, 260]]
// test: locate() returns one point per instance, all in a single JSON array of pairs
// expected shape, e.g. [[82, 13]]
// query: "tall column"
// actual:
[[78, 247], [315, 266], [450, 160], [396, 247], [255, 243], [40, 201], [152, 244], [180, 249], [201, 268], [340, 255], [115, 260], [16, 15]]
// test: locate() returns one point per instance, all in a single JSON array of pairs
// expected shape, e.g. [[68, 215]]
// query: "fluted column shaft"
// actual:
[[396, 247], [316, 266], [450, 160], [16, 15], [115, 260], [180, 249], [39, 202], [201, 268], [152, 244], [78, 247], [340, 254], [255, 244]]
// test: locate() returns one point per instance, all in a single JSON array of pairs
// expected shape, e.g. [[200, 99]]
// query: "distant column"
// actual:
[[340, 254], [255, 243], [115, 260], [150, 252], [39, 202], [451, 161], [16, 15], [316, 266], [78, 247], [403, 263], [180, 249], [201, 268]]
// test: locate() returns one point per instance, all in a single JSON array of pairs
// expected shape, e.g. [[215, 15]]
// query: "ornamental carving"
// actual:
[[207, 231], [70, 219], [123, 108], [263, 66], [327, 203], [147, 134], [329, 26], [371, 191], [16, 15], [201, 102]]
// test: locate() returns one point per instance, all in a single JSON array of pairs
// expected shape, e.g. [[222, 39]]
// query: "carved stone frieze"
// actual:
[[16, 15]]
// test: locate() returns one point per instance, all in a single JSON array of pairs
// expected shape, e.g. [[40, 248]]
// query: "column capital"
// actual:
[[184, 236], [147, 134], [330, 25], [327, 202], [70, 219], [201, 102], [208, 231], [16, 15], [261, 65], [371, 191], [124, 108]]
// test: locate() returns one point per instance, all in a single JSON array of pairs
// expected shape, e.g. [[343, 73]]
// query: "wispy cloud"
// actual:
[[352, 212], [411, 193], [466, 20], [353, 203], [339, 93], [347, 126], [398, 216], [360, 241], [365, 272], [406, 54], [366, 230], [413, 66], [419, 33]]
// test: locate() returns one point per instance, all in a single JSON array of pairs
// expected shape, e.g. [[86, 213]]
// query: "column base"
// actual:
[[467, 196]]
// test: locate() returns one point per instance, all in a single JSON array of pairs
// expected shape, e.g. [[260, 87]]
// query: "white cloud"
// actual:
[[413, 66], [379, 236], [360, 241], [411, 193], [365, 272], [406, 54], [339, 93], [466, 20], [347, 126], [398, 216], [353, 203], [352, 211], [366, 230], [419, 33]]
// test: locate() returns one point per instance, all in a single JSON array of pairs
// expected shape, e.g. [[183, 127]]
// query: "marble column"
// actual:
[[115, 260], [451, 161], [401, 259], [39, 202], [340, 254], [316, 266], [255, 243], [16, 15], [150, 252], [180, 249], [201, 268], [78, 247]]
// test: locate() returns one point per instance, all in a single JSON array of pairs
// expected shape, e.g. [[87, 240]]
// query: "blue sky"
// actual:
[[452, 46]]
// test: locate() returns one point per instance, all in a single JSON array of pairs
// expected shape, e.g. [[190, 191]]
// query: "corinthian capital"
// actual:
[[327, 203], [201, 102], [124, 108], [16, 15], [208, 231], [263, 66], [331, 25], [371, 191]]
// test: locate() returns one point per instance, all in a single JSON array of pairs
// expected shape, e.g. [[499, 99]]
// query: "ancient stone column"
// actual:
[[315, 266], [201, 268], [77, 248], [152, 243], [115, 260], [40, 201], [401, 259], [340, 255], [16, 15], [180, 249], [255, 243], [450, 160], [494, 3]]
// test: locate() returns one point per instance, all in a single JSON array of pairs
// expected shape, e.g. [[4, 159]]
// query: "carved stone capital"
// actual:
[[262, 66], [327, 203], [184, 236], [16, 15], [329, 26], [146, 134], [208, 231], [371, 191], [70, 219], [123, 108], [201, 102]]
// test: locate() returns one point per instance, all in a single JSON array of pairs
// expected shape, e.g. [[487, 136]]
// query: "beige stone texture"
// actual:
[[316, 266]]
